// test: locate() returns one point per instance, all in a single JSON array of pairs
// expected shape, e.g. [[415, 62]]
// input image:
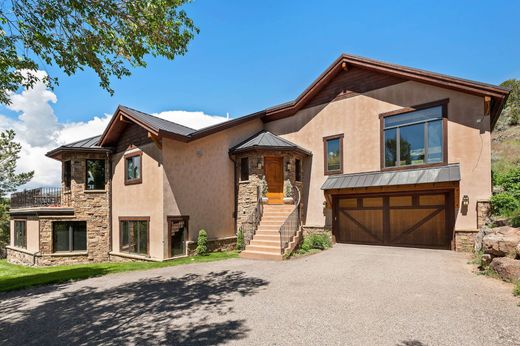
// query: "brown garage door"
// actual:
[[412, 219]]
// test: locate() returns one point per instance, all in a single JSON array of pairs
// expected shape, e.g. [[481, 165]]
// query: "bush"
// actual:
[[504, 204], [516, 291], [202, 243], [316, 241], [240, 240]]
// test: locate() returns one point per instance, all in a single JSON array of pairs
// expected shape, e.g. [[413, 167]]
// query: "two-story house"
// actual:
[[374, 153]]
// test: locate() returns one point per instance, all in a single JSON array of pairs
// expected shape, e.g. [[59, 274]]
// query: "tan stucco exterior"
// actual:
[[33, 235], [357, 118]]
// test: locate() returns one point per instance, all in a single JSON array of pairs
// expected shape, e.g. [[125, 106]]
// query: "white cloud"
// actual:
[[39, 131]]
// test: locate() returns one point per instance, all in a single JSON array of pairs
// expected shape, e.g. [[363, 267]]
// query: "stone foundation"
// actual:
[[464, 241], [308, 230], [223, 244], [19, 256], [483, 212]]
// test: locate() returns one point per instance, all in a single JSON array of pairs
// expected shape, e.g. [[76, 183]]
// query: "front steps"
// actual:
[[265, 244]]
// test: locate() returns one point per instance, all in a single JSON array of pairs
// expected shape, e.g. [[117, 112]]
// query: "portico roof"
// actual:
[[267, 141]]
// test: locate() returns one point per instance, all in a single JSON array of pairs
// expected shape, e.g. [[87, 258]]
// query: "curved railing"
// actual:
[[250, 226], [39, 197], [291, 225]]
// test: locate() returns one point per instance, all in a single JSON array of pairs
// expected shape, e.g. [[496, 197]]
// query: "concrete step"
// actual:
[[261, 242], [264, 231], [266, 237], [274, 218], [267, 249], [261, 255], [271, 223]]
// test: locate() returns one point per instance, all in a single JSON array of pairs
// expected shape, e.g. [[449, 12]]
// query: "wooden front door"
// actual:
[[413, 219], [273, 170]]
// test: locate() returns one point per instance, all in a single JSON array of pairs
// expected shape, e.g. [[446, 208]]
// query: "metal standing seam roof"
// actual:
[[158, 123], [406, 177], [87, 143], [267, 140]]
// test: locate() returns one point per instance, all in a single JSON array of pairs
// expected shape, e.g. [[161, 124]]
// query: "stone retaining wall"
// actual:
[[223, 244], [464, 241]]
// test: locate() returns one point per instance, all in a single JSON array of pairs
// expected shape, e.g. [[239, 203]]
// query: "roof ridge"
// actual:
[[159, 118]]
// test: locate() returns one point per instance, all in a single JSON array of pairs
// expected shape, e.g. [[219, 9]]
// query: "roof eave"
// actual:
[[53, 154]]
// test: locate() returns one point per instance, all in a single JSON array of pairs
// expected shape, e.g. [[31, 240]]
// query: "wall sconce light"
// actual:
[[259, 163], [465, 200], [288, 165]]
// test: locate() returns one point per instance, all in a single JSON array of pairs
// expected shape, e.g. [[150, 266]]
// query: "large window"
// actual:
[[20, 234], [244, 169], [95, 175], [67, 174], [134, 235], [333, 150], [69, 236], [133, 172], [298, 169], [414, 138]]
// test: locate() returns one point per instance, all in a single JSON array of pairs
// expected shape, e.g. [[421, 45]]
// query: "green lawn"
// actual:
[[15, 277]]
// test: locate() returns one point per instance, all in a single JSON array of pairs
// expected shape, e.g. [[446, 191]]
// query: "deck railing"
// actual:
[[39, 197], [250, 226], [292, 224]]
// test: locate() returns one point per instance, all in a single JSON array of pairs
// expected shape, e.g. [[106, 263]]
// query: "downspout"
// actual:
[[109, 192], [235, 188]]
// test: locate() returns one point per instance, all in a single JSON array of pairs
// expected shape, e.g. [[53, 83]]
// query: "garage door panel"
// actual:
[[417, 219]]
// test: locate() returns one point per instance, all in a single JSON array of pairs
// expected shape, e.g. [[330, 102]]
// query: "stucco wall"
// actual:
[[144, 199], [199, 180], [33, 235], [358, 118]]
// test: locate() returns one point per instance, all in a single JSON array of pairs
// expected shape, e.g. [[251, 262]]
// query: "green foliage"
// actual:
[[4, 226], [107, 36], [317, 241], [511, 113], [516, 291], [202, 243], [504, 204], [9, 154], [15, 277], [288, 189], [240, 240], [263, 187]]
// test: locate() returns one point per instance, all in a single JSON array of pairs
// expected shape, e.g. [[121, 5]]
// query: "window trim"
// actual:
[[140, 179], [382, 116], [325, 166], [86, 175], [186, 220], [70, 250], [135, 218], [14, 235]]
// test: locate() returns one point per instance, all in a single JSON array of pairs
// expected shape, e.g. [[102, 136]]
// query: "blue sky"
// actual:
[[250, 55]]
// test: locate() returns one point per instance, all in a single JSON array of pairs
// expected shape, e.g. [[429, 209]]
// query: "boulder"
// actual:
[[480, 236], [502, 241], [507, 268], [518, 251]]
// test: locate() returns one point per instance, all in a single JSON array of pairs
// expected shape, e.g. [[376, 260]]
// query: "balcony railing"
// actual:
[[39, 197]]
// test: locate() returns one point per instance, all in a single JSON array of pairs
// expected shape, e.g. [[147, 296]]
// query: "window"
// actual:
[[298, 168], [69, 236], [133, 171], [134, 235], [95, 175], [244, 169], [20, 234], [414, 138], [333, 150], [67, 174]]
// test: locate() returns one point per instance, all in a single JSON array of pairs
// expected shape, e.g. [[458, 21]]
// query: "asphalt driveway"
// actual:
[[359, 295]]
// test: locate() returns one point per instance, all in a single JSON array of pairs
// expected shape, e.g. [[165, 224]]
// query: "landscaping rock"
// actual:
[[480, 236], [518, 251], [502, 241], [507, 268]]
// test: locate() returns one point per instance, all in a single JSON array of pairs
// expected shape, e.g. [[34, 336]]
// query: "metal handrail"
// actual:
[[39, 197], [250, 226], [291, 225]]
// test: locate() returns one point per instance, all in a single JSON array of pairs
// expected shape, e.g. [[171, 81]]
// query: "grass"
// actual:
[[16, 277]]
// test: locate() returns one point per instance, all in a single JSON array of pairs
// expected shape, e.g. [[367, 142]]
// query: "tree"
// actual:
[[9, 181], [9, 154], [108, 36], [511, 112]]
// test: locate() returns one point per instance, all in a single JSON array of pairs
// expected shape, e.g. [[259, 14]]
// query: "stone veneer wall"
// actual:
[[222, 244], [247, 190], [464, 240]]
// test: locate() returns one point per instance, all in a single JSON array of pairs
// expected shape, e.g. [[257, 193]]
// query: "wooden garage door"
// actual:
[[419, 219]]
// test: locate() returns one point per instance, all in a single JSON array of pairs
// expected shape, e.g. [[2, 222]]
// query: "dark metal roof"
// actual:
[[156, 123], [91, 142], [405, 177], [267, 140]]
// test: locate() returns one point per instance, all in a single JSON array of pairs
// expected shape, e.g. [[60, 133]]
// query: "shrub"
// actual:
[[202, 243], [516, 291], [504, 204], [240, 240], [316, 241]]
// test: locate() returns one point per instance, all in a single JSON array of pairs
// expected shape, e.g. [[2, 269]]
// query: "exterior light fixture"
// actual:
[[465, 200], [259, 163]]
